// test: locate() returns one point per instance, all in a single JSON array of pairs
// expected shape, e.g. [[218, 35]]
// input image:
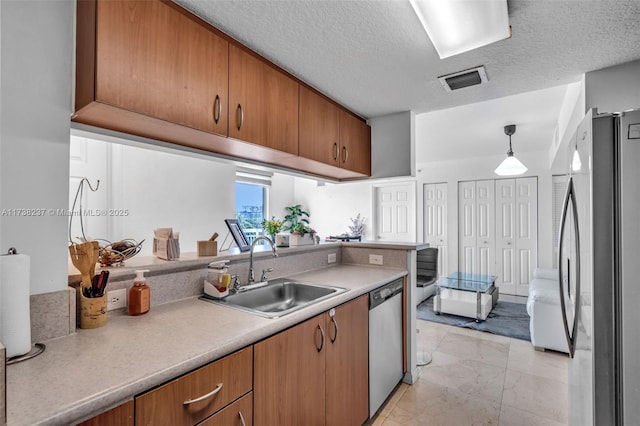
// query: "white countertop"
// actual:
[[88, 372]]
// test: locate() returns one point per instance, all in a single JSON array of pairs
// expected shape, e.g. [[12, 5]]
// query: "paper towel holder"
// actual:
[[39, 347]]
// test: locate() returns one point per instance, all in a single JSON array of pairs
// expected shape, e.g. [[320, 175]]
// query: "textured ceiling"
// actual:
[[375, 58]]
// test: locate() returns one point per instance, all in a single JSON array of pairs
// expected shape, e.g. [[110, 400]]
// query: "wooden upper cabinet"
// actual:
[[263, 103], [333, 136], [319, 130], [355, 144], [151, 58]]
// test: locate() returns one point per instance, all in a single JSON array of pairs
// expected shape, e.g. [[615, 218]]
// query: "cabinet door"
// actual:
[[319, 132], [154, 60], [263, 103], [347, 367], [289, 378], [355, 144]]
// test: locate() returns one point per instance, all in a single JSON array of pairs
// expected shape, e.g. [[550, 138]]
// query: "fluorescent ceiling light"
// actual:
[[456, 26]]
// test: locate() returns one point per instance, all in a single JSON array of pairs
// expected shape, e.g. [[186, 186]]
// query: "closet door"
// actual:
[[467, 233], [517, 233], [435, 222], [476, 213], [526, 232], [506, 235], [485, 219]]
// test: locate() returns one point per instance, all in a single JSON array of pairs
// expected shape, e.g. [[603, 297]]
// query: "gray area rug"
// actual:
[[506, 319]]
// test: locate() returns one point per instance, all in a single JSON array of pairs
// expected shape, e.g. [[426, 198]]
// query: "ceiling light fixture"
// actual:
[[462, 25], [511, 166]]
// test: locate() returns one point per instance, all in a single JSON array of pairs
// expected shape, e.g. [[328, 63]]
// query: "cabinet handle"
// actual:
[[203, 397], [321, 338], [241, 418], [335, 327], [217, 109], [345, 154], [335, 151], [239, 116]]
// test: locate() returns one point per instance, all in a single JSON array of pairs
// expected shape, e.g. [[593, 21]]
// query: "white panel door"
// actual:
[[516, 233], [526, 203], [506, 236], [435, 222], [467, 252], [395, 208], [485, 225]]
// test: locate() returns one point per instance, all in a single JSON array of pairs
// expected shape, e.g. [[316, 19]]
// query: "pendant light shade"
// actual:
[[510, 166]]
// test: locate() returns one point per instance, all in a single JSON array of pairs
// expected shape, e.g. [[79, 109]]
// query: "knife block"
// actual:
[[93, 311], [207, 248]]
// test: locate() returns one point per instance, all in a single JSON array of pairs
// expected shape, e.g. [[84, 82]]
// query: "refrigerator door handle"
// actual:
[[571, 338]]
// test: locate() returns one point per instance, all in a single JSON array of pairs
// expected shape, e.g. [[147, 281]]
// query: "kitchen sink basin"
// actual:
[[279, 297]]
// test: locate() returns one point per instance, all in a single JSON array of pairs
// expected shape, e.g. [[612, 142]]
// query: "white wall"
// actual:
[[160, 189], [191, 193], [35, 95], [393, 145], [333, 205], [614, 89]]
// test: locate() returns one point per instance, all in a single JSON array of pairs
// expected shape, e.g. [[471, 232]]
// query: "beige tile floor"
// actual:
[[478, 378]]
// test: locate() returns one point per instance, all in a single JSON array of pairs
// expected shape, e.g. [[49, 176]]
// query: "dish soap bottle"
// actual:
[[139, 295]]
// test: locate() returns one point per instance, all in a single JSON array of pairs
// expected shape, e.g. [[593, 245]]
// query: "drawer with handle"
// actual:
[[195, 396], [240, 413]]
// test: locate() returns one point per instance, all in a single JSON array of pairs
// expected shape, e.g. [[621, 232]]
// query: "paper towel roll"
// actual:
[[15, 319]]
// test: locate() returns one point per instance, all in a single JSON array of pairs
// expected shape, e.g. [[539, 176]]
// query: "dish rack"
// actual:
[[114, 254]]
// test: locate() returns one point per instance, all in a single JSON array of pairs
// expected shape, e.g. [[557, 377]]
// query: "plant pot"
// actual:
[[301, 240]]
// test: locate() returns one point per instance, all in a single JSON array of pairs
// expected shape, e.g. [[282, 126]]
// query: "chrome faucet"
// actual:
[[253, 244]]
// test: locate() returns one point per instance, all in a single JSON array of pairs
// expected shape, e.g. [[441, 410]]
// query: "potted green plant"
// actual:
[[297, 223], [272, 227]]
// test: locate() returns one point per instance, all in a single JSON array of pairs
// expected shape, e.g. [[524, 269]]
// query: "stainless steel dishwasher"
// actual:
[[385, 342]]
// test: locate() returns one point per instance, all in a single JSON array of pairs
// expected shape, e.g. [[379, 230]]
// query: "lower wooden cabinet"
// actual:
[[122, 415], [195, 396], [240, 413], [347, 366], [315, 373]]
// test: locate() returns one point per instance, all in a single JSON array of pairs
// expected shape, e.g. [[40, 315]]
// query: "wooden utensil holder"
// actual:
[[93, 311], [207, 248]]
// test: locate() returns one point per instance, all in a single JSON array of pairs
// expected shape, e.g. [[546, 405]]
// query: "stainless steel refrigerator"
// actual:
[[599, 268]]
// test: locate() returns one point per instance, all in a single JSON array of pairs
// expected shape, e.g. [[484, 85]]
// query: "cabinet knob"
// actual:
[[335, 151], [242, 422], [217, 109], [239, 116], [345, 154]]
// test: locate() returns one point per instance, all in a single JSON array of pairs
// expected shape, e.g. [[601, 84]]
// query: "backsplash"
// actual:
[[54, 314]]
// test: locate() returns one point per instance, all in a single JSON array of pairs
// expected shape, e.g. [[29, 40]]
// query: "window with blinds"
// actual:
[[252, 200]]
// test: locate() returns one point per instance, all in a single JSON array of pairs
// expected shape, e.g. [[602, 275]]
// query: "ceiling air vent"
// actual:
[[465, 78]]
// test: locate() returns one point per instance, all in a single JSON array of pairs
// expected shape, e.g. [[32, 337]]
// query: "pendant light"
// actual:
[[511, 166]]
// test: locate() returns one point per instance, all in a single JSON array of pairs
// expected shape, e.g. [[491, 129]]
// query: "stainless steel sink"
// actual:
[[279, 297]]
